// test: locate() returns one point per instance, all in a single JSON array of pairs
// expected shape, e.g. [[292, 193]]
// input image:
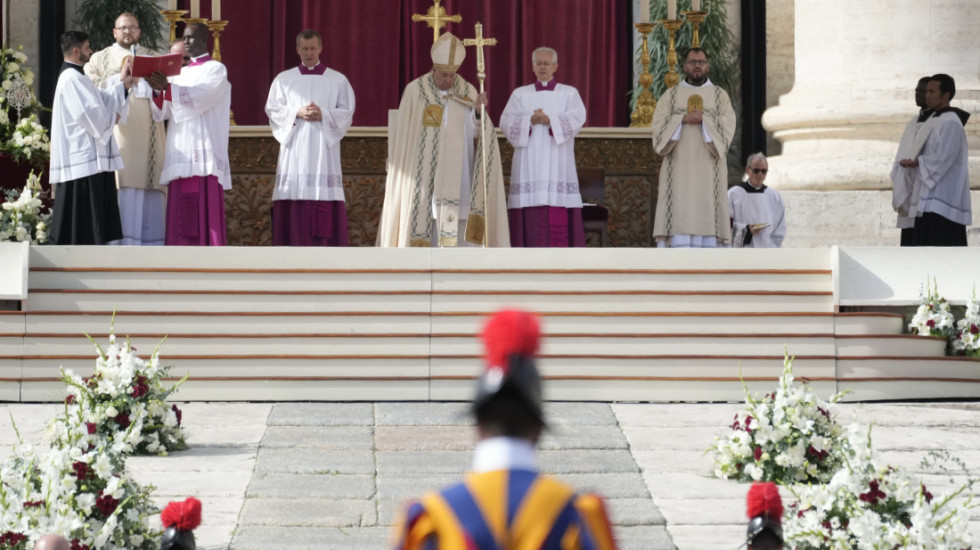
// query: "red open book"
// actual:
[[144, 66]]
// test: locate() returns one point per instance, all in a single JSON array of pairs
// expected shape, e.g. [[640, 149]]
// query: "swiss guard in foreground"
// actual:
[[505, 502], [764, 508]]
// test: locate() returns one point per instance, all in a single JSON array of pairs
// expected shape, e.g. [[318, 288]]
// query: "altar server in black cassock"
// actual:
[[84, 154]]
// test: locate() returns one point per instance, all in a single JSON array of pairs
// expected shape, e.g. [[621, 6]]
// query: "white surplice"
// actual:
[[943, 177], [903, 179], [750, 206], [82, 119], [200, 113], [309, 152], [544, 172]]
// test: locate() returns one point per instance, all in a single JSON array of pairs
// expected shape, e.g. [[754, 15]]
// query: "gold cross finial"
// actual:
[[436, 18], [480, 42]]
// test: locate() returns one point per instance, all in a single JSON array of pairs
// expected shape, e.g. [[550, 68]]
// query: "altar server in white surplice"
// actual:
[[693, 126], [903, 178], [541, 121], [310, 108], [196, 172], [941, 192], [142, 200], [84, 152], [758, 214]]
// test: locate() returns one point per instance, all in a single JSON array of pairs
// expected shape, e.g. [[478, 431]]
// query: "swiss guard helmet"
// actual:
[[179, 521], [764, 508], [511, 339]]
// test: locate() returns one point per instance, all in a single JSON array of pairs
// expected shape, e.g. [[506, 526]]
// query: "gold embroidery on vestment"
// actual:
[[695, 103], [432, 116]]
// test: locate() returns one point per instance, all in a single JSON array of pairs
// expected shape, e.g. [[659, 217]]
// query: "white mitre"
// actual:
[[448, 53]]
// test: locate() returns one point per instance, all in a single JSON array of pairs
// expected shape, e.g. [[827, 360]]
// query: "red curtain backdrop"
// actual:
[[380, 50]]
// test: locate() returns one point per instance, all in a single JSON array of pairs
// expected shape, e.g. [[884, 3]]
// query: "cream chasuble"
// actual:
[[141, 140], [692, 196], [435, 172]]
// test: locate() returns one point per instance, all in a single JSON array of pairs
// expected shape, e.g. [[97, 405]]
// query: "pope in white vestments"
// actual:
[[541, 121], [197, 170], [142, 200], [758, 214], [437, 192], [84, 152], [693, 126], [310, 108]]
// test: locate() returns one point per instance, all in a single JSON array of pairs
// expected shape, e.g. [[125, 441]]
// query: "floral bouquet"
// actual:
[[933, 317], [787, 436], [17, 103], [967, 340], [22, 218], [79, 489], [124, 401], [873, 507], [29, 142]]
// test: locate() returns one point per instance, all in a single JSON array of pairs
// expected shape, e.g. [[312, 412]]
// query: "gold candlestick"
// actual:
[[645, 103], [190, 20], [671, 79], [172, 17], [216, 28], [695, 18]]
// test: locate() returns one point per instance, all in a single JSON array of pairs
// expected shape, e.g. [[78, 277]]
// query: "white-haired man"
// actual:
[[434, 192], [758, 214], [541, 121]]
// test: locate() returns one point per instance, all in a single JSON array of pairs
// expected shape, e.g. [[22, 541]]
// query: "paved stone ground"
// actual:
[[332, 475]]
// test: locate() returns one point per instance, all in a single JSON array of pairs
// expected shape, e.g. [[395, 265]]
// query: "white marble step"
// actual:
[[890, 346], [408, 280], [250, 258], [411, 302], [871, 323]]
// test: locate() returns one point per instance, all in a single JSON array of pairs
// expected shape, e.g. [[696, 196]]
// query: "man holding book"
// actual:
[[142, 200]]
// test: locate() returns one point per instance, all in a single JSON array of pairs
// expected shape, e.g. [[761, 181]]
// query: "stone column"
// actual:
[[856, 65]]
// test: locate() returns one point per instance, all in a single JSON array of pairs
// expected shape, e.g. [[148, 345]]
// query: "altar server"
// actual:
[[84, 152], [196, 172], [541, 121], [758, 214], [310, 108]]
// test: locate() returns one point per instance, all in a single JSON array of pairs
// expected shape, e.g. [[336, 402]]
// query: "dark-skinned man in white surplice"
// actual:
[[196, 172]]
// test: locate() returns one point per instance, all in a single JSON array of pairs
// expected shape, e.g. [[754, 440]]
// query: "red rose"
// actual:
[[91, 427], [122, 419], [77, 545], [70, 399], [178, 413], [930, 323], [757, 453], [105, 504], [81, 470], [974, 329]]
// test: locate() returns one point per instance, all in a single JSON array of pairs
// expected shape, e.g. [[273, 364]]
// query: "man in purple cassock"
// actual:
[[196, 171], [310, 109], [541, 121]]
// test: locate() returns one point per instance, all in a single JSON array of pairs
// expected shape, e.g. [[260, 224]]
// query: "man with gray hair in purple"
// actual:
[[541, 121]]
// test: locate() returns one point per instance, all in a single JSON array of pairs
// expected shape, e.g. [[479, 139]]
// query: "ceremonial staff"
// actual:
[[481, 75]]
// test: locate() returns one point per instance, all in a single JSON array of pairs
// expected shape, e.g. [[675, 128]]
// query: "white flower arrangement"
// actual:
[[17, 105], [967, 339], [933, 316], [125, 399], [29, 141], [873, 507], [787, 436], [80, 488], [22, 216]]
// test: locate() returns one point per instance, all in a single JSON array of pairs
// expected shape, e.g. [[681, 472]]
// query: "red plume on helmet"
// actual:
[[511, 339], [510, 332], [763, 500], [185, 516]]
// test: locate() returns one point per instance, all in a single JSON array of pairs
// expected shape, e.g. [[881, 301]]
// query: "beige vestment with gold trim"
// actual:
[[692, 198], [428, 167]]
